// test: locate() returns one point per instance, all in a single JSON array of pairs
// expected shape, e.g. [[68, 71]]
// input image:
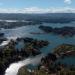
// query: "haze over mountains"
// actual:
[[47, 17]]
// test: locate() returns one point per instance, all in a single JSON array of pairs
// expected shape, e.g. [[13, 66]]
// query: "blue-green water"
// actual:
[[55, 40], [68, 60]]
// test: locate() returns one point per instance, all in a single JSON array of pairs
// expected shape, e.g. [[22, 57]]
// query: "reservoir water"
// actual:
[[25, 31]]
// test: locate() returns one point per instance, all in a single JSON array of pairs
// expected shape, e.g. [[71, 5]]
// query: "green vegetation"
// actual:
[[43, 71], [9, 54], [64, 31], [49, 66], [65, 49], [24, 71]]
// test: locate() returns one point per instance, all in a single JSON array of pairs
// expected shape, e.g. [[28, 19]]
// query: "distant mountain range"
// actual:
[[47, 17]]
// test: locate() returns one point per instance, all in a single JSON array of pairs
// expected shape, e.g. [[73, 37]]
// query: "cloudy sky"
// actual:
[[36, 6]]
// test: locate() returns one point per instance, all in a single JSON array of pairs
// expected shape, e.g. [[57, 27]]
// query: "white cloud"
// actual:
[[38, 10], [68, 1]]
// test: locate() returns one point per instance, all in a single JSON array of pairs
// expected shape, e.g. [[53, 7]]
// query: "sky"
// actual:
[[37, 6]]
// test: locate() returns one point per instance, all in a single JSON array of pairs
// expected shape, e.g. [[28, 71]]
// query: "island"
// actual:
[[65, 50], [64, 31]]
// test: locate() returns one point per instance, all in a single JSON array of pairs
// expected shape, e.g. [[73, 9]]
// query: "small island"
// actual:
[[64, 31], [65, 49]]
